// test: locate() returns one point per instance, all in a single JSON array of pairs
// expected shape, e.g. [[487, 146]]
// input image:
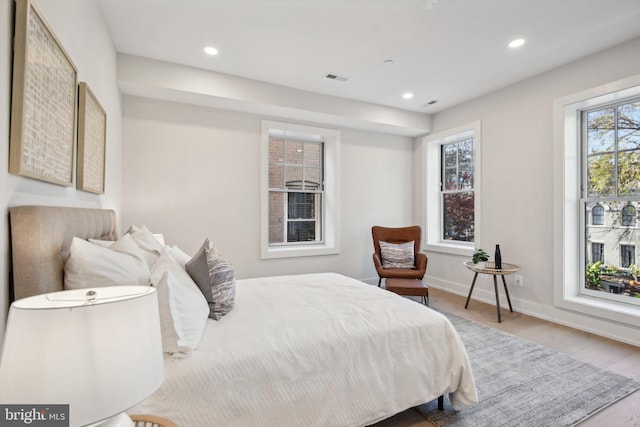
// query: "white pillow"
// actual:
[[103, 243], [145, 239], [90, 265], [183, 308], [178, 255]]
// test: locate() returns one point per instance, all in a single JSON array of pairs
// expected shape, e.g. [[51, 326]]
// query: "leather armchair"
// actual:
[[399, 235]]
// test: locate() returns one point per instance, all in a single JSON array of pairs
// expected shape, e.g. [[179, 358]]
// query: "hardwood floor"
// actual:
[[602, 352]]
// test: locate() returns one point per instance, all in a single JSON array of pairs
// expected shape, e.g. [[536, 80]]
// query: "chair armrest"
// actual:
[[421, 262], [377, 262]]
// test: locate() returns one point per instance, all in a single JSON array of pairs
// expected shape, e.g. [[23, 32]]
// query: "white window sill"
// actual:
[[450, 248], [298, 251], [618, 312]]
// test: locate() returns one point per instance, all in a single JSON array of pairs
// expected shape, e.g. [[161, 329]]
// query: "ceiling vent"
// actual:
[[336, 77]]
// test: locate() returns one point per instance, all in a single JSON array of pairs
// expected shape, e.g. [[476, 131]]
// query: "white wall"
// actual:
[[517, 182], [192, 172], [81, 29]]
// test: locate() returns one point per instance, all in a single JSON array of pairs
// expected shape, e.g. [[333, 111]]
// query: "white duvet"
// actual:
[[314, 350]]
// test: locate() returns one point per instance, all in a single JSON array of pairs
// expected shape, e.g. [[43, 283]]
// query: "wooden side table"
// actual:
[[490, 269]]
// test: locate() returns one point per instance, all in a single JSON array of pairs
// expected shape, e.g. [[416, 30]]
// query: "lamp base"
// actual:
[[120, 420]]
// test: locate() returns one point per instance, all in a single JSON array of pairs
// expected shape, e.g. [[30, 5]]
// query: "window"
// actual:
[[300, 190], [611, 155], [296, 190], [571, 234], [457, 190], [597, 252], [627, 255], [628, 216], [597, 215], [452, 198]]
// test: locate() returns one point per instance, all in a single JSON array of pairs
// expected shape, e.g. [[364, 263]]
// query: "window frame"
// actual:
[[600, 208], [569, 218], [432, 202], [625, 249], [330, 214], [600, 245], [303, 189], [628, 216]]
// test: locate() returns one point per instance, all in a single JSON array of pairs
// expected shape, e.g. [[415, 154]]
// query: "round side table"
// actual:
[[489, 268]]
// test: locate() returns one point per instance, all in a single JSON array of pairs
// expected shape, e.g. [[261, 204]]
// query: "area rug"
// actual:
[[521, 383]]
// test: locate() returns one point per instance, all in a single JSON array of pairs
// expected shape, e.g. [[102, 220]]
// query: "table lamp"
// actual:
[[99, 351]]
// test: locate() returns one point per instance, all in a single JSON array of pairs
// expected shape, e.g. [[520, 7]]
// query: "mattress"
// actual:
[[314, 350]]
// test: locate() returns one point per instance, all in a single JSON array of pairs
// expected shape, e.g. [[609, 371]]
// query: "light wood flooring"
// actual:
[[593, 349]]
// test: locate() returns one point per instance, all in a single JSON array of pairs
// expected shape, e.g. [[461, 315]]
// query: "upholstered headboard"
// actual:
[[40, 240]]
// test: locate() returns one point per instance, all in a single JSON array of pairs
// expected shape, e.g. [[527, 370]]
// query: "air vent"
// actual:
[[432, 102], [336, 77]]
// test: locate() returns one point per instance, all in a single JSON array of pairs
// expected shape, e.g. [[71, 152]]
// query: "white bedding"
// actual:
[[314, 350]]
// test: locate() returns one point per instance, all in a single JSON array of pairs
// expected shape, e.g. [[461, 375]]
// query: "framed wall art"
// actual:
[[44, 101], [92, 134]]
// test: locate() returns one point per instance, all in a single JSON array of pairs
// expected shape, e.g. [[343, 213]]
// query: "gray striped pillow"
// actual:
[[397, 255], [223, 284], [215, 277]]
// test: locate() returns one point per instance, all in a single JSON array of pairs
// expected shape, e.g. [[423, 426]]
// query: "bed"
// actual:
[[314, 350]]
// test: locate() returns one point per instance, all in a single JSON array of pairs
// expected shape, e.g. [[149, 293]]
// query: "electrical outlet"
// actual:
[[518, 280]]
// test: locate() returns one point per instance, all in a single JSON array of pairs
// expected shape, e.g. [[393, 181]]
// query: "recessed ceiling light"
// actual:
[[516, 43], [407, 95], [210, 50]]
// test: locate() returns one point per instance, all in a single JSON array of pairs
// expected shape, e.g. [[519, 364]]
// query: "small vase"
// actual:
[[498, 258]]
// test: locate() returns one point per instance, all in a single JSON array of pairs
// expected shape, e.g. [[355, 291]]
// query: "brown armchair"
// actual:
[[399, 235]]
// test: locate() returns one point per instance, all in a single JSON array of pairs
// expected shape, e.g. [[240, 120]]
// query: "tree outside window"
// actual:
[[457, 165]]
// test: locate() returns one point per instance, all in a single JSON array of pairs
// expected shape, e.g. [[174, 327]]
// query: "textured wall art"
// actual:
[[44, 101], [92, 132]]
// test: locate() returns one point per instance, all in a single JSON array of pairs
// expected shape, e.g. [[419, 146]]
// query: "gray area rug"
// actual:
[[521, 383]]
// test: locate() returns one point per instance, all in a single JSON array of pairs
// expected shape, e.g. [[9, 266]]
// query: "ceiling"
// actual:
[[444, 50]]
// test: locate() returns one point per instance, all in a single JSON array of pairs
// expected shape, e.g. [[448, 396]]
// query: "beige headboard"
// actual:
[[40, 240]]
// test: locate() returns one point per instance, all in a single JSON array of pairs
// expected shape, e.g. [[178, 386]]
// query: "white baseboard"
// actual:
[[591, 324]]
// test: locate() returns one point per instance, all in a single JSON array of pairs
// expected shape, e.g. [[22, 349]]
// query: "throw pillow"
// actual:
[[215, 277], [183, 309], [397, 255]]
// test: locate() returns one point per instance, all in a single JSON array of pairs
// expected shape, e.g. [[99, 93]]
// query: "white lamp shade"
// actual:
[[100, 358]]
